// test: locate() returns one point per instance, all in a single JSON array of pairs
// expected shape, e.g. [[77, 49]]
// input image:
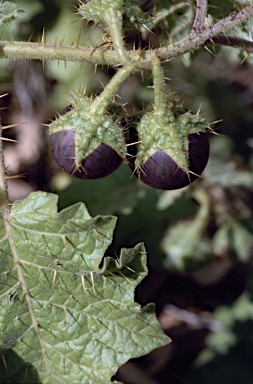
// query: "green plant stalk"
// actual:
[[159, 95], [43, 51], [101, 102], [113, 19]]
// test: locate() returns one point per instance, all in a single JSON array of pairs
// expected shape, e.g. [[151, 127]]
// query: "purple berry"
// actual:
[[160, 171], [100, 163]]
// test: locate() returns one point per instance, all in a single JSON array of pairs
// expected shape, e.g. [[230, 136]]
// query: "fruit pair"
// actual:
[[172, 149]]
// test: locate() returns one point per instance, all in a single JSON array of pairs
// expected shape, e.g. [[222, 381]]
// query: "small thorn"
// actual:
[[209, 50], [137, 142], [13, 125], [31, 36], [43, 37], [54, 278], [92, 281], [84, 288], [16, 176], [10, 140], [199, 109]]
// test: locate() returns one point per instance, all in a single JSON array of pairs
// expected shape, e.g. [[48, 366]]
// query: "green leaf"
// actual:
[[66, 312], [9, 12]]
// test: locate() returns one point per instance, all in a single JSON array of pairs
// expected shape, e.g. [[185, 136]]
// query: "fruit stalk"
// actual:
[[101, 102], [160, 102], [158, 81], [113, 19]]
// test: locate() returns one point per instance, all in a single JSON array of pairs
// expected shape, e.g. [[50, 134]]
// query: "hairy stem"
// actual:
[[114, 22], [194, 41], [159, 96], [101, 102], [43, 51]]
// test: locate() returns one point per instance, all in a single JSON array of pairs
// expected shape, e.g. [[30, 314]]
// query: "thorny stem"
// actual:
[[114, 21], [194, 41], [159, 96], [101, 102], [232, 41], [43, 51], [113, 18], [201, 10]]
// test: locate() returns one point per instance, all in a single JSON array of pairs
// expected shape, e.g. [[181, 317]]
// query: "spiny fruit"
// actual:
[[85, 143], [173, 148]]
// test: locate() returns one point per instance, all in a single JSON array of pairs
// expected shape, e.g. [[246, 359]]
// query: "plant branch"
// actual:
[[231, 41], [43, 51], [195, 40], [159, 96], [201, 10], [100, 104], [114, 21]]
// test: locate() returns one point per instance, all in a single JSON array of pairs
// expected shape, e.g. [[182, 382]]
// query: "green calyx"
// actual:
[[96, 11], [91, 129], [135, 15], [168, 131]]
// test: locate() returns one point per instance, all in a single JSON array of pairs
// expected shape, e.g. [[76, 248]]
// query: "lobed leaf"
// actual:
[[68, 314]]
